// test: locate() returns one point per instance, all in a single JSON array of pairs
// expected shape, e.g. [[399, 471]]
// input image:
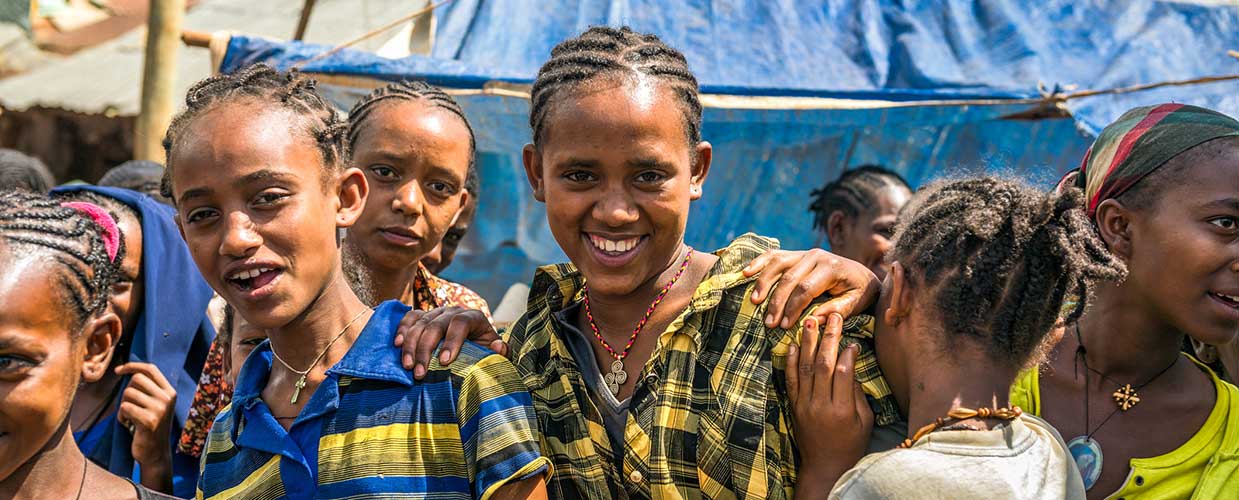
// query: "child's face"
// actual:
[[245, 337], [126, 297], [866, 238], [259, 210], [41, 360], [443, 254], [617, 176], [1184, 250], [415, 158]]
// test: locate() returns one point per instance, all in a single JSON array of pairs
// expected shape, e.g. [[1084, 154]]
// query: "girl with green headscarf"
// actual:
[[1142, 419]]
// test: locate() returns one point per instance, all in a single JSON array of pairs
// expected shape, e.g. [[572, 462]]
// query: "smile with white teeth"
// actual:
[[1232, 298], [614, 246], [252, 273]]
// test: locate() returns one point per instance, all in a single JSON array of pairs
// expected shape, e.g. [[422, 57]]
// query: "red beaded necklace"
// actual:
[[618, 376]]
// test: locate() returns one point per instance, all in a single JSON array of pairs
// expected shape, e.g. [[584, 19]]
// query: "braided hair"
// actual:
[[854, 192], [608, 52], [1002, 259], [36, 225], [21, 171], [263, 84], [417, 91]]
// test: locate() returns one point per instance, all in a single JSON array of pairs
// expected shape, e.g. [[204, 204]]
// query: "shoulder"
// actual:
[[882, 474]]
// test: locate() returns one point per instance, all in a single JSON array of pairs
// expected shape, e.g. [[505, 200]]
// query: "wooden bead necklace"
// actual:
[[618, 376], [958, 414]]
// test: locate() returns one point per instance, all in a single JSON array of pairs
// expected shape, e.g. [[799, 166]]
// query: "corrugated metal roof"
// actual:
[[107, 79]]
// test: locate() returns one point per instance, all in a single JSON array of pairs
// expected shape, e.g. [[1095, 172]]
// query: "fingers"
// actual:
[[458, 328], [771, 265], [793, 374], [792, 280], [759, 263], [412, 356], [809, 338], [405, 323], [862, 405], [149, 371], [827, 355], [844, 376], [433, 328]]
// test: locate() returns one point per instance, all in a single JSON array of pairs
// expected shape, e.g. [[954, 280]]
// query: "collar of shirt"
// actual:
[[372, 356]]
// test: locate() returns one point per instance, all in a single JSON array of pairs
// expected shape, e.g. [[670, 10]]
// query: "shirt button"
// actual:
[[636, 476]]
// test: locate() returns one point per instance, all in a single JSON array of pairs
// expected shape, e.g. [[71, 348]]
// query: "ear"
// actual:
[[101, 334], [900, 303], [533, 171], [1204, 352], [1114, 223], [351, 197], [701, 168], [836, 228]]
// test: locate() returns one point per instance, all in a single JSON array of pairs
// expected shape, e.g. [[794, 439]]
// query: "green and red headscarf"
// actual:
[[1140, 142]]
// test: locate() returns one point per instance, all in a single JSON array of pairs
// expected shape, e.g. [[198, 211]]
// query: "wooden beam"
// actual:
[[196, 39], [163, 33]]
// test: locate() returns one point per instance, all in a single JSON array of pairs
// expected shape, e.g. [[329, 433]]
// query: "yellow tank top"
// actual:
[[1206, 466]]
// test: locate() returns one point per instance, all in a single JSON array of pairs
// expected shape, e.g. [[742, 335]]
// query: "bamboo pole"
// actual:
[[163, 40]]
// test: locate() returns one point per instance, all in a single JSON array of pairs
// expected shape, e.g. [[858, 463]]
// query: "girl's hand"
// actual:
[[831, 419], [792, 280], [147, 407], [420, 332]]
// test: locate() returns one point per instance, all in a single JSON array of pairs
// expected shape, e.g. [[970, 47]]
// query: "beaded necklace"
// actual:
[[958, 414], [618, 376]]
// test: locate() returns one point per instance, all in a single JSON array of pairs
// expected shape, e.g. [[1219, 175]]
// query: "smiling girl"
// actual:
[[654, 371], [1142, 419], [57, 267], [258, 170]]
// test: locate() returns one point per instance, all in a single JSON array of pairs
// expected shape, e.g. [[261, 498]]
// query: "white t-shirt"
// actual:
[[1025, 459]]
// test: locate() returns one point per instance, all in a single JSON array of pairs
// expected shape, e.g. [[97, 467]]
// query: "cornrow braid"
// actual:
[[1001, 259], [853, 192], [33, 224], [264, 84], [605, 51], [415, 91]]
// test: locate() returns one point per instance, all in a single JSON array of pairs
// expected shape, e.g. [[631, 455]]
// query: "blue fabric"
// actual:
[[857, 49], [172, 331]]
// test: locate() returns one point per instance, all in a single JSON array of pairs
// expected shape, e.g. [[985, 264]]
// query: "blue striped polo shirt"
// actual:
[[371, 431]]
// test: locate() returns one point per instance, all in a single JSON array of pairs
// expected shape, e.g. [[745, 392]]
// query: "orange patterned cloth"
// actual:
[[426, 292]]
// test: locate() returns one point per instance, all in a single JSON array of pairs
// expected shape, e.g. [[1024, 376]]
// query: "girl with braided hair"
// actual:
[[857, 213], [656, 370], [58, 261], [161, 300], [259, 171], [416, 148], [982, 270], [1142, 419]]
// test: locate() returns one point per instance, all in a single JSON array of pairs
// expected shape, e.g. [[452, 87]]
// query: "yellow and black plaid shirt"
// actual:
[[708, 418]]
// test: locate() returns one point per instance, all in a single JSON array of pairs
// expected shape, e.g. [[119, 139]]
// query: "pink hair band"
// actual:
[[111, 232]]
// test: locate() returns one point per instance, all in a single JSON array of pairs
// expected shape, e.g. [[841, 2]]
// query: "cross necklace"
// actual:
[[304, 373], [1085, 450], [618, 376]]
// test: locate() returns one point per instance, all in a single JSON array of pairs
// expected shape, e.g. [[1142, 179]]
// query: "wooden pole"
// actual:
[[163, 40], [304, 21]]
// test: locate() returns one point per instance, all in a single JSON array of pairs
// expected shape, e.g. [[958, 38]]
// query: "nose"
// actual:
[[241, 238], [616, 208], [408, 200]]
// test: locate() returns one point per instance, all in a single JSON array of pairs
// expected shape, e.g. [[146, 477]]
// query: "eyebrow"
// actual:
[[648, 163], [1224, 203], [261, 175]]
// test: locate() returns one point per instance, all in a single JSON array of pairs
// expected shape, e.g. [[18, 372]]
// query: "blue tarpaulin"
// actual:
[[927, 86]]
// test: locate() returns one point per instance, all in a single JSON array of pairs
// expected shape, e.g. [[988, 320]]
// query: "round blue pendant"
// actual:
[[1087, 454]]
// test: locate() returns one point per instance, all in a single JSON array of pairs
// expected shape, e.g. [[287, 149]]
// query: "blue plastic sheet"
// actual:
[[767, 161]]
